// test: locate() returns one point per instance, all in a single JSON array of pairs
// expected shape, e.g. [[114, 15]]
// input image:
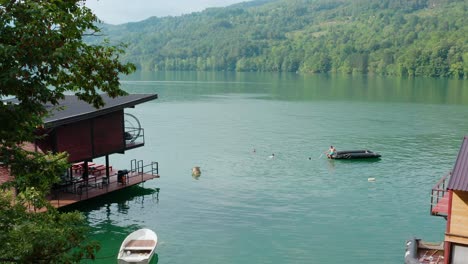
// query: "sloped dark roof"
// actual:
[[73, 110], [459, 179]]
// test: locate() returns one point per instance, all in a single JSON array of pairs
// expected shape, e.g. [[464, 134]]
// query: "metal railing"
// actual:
[[81, 187], [137, 167], [134, 136], [438, 191]]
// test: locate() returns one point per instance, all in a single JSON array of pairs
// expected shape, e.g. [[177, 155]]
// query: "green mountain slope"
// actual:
[[389, 37]]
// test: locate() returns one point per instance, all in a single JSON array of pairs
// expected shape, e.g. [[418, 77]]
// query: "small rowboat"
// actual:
[[138, 247], [421, 252], [355, 154]]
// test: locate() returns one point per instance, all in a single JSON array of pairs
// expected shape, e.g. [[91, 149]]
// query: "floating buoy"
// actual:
[[196, 171], [371, 179]]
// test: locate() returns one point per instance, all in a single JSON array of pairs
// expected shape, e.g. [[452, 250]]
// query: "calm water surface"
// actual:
[[298, 207]]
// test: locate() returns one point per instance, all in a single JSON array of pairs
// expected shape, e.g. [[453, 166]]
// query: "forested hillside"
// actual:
[[389, 37]]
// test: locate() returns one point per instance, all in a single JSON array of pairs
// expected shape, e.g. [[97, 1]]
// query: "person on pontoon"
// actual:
[[331, 152]]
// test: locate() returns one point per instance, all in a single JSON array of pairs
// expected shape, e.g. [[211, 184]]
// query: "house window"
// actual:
[[459, 254]]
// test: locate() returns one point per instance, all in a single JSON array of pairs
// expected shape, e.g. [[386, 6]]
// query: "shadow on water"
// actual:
[[106, 210], [367, 160], [120, 198], [316, 87]]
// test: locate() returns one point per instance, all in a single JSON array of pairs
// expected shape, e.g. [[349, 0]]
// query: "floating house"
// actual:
[[449, 200], [87, 133]]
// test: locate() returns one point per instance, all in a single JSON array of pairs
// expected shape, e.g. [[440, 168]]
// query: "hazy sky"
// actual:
[[122, 11]]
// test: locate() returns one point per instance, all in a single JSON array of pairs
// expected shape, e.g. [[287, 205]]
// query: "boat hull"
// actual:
[[138, 247], [420, 252], [355, 154], [145, 261]]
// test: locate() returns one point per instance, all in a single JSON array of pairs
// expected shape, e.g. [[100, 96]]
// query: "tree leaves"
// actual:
[[307, 35], [42, 57]]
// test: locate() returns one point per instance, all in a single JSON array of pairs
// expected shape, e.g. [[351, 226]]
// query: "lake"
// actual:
[[298, 207]]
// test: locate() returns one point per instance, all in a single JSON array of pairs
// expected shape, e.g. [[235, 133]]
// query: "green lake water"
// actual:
[[298, 207]]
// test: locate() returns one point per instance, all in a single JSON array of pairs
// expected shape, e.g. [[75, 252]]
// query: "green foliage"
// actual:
[[42, 57], [41, 237], [37, 174], [417, 37]]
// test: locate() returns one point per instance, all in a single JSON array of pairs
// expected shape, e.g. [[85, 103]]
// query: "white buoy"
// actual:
[[371, 179]]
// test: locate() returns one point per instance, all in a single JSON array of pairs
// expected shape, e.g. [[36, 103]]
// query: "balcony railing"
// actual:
[[134, 137], [140, 169], [77, 189], [439, 197]]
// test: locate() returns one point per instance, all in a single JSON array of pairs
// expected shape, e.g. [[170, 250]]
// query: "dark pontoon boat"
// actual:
[[355, 154]]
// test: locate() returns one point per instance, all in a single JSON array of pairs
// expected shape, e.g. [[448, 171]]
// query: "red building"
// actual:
[[449, 199], [87, 133]]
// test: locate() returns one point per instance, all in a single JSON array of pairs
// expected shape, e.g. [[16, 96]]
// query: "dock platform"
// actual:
[[77, 190]]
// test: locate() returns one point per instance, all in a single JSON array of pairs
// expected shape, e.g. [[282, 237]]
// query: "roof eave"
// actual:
[[98, 112]]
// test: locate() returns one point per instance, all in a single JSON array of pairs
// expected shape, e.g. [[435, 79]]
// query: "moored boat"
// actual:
[[138, 247], [418, 252], [355, 154]]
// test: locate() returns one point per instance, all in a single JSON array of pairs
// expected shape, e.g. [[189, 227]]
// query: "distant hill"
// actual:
[[388, 37]]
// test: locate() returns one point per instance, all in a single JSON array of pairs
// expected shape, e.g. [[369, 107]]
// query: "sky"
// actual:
[[123, 11]]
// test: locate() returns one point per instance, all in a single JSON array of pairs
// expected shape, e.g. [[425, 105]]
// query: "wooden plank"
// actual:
[[442, 206], [62, 199], [459, 214], [141, 243]]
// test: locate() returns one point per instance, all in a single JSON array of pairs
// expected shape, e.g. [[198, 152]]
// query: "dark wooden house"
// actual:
[[87, 133]]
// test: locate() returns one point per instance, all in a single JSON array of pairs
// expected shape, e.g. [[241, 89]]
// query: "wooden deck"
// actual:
[[429, 252], [78, 190], [441, 208], [440, 197]]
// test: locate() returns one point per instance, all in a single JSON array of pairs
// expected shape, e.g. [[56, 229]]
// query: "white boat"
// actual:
[[421, 252], [138, 247]]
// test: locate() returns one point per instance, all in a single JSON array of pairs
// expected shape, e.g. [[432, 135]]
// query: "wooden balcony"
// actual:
[[77, 189], [440, 197], [134, 138]]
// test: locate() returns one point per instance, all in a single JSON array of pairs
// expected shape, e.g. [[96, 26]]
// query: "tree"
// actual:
[[284, 36], [42, 57]]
